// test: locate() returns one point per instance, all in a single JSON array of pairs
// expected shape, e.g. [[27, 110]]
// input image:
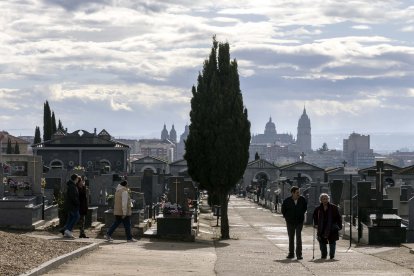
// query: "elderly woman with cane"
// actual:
[[328, 222]]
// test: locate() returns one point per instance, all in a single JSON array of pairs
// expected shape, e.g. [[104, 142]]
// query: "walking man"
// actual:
[[122, 212], [71, 206], [293, 210]]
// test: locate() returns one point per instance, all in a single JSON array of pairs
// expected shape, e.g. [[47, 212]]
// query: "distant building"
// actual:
[[132, 143], [95, 152], [22, 144], [159, 148], [181, 144], [304, 137], [325, 159], [357, 151], [270, 136]]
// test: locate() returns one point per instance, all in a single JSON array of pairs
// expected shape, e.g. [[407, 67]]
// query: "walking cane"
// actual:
[[313, 247]]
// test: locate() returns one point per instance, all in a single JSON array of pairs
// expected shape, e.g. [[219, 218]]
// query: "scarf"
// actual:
[[324, 230]]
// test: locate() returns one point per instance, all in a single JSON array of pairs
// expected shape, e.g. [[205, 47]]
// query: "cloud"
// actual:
[[135, 61]]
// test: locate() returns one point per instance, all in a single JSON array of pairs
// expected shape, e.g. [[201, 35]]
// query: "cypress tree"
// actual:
[[16, 148], [60, 126], [9, 149], [217, 147], [53, 120], [47, 122], [37, 138]]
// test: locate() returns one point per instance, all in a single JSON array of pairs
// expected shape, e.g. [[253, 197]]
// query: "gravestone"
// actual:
[[394, 193], [406, 192], [384, 227], [179, 190], [314, 191], [336, 188], [410, 230], [135, 182]]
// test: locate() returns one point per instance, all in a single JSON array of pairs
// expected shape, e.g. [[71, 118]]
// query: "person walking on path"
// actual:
[[71, 206], [293, 210], [83, 205], [122, 212], [328, 221]]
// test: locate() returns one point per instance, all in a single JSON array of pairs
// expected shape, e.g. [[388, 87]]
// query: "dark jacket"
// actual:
[[329, 223], [71, 197], [294, 214], [83, 200]]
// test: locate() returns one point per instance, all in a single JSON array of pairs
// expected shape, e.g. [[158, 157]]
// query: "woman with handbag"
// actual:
[[328, 221]]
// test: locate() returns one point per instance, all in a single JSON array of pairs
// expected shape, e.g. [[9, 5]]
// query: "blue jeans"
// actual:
[[295, 230], [324, 249], [127, 225], [73, 218]]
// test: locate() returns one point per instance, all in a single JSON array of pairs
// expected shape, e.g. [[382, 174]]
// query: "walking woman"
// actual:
[[328, 221]]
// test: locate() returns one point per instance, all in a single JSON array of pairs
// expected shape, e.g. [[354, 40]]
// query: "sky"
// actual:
[[128, 66]]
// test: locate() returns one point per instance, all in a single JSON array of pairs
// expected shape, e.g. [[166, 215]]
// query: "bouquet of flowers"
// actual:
[[18, 185]]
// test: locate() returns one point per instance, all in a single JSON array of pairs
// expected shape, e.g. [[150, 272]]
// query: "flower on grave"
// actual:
[[79, 168], [43, 183], [18, 185]]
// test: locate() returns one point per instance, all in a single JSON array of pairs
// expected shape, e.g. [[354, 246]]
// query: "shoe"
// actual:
[[323, 257], [68, 234], [83, 236], [107, 237], [331, 257], [62, 231], [299, 257], [290, 256], [132, 240]]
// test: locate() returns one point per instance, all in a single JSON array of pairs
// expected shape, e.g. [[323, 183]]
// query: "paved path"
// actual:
[[258, 246]]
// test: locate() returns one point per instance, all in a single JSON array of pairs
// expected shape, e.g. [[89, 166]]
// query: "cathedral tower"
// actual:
[[304, 138], [164, 133], [173, 135]]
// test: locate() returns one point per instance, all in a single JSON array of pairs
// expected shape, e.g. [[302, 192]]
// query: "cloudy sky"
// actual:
[[128, 65]]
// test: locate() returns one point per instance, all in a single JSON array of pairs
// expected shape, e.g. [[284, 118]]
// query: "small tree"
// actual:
[[47, 122], [60, 126], [9, 149], [37, 138], [16, 148], [53, 119]]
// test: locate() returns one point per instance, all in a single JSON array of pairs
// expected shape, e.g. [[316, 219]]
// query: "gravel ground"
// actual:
[[20, 253]]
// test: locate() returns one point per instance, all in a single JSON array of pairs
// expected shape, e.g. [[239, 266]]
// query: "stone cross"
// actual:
[[300, 179], [302, 156], [380, 173], [176, 190]]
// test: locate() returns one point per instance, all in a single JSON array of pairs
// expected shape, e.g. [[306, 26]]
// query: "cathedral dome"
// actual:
[[270, 128]]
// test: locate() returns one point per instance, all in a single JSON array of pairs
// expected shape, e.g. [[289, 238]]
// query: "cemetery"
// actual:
[[375, 212]]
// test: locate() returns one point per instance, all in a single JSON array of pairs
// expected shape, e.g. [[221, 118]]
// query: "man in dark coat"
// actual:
[[83, 205], [327, 219], [293, 210], [71, 206]]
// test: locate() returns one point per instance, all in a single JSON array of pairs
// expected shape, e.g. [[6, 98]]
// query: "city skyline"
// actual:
[[128, 66]]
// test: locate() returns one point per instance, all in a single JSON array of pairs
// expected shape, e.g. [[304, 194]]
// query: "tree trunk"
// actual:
[[225, 229]]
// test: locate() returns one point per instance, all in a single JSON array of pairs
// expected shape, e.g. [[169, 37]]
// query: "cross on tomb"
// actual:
[[300, 179], [380, 173], [302, 156], [176, 189]]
